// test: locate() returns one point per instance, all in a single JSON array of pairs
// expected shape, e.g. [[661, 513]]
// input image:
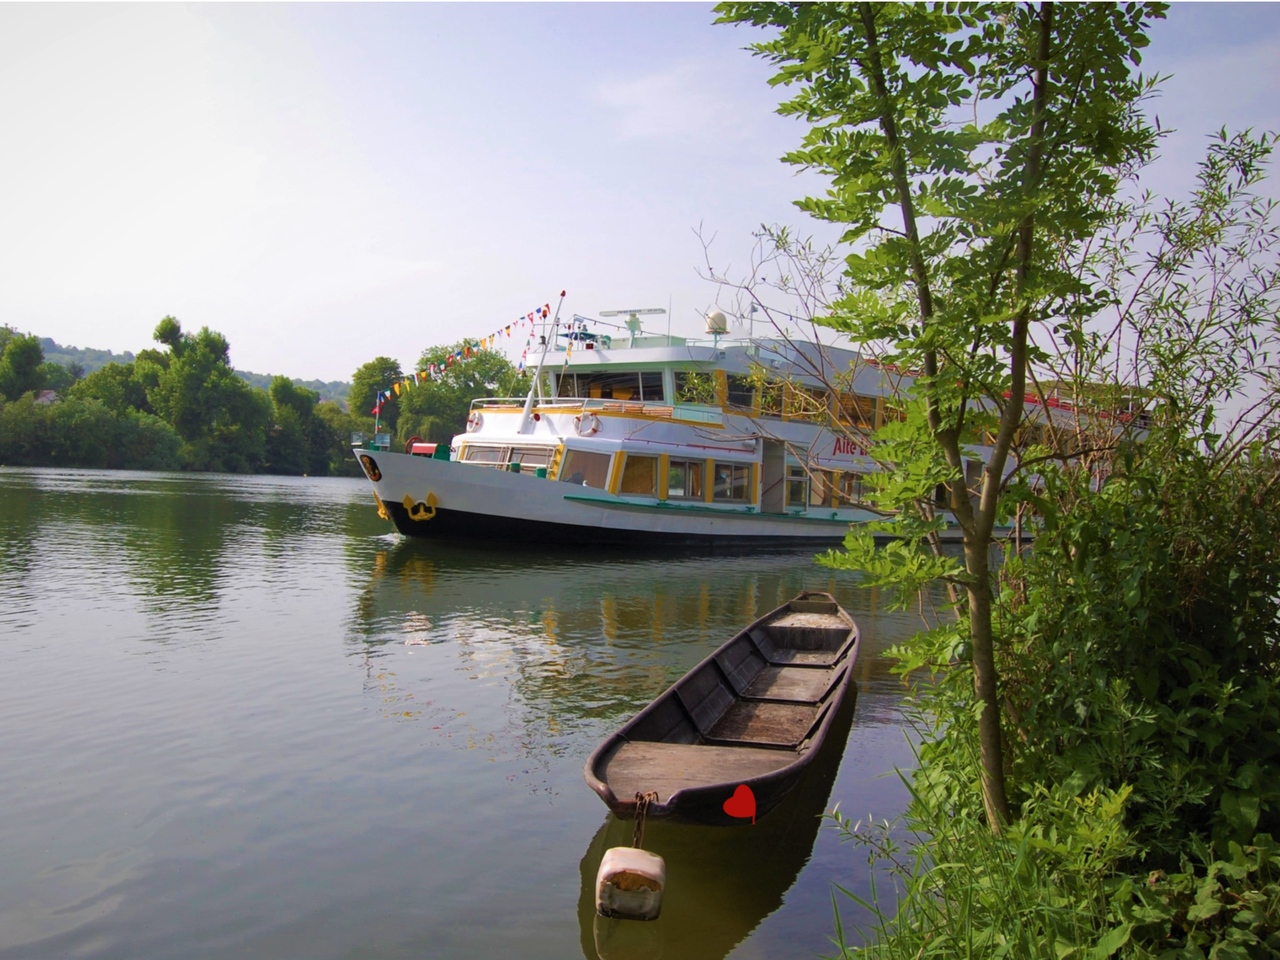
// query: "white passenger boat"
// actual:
[[604, 450]]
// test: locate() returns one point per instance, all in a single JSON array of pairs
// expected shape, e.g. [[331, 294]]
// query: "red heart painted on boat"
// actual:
[[742, 803]]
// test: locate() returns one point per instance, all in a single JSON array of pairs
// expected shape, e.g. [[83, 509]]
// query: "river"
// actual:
[[243, 718]]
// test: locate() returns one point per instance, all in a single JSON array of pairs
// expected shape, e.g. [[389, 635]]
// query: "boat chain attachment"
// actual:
[[642, 809]]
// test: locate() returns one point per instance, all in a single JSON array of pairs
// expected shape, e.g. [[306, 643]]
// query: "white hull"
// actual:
[[443, 499]]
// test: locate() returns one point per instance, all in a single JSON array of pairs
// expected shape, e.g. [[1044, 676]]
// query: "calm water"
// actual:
[[241, 717]]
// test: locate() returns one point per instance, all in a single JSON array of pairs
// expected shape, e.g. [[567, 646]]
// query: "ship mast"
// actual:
[[535, 388]]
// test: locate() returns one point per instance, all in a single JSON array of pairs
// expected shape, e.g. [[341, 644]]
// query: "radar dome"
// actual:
[[717, 322]]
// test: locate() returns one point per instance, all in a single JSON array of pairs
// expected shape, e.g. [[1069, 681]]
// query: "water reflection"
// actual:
[[240, 691], [721, 881]]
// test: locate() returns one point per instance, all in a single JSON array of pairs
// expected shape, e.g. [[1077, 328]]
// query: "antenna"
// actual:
[[633, 318]]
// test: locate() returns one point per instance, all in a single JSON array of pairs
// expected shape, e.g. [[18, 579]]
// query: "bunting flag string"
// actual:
[[512, 331]]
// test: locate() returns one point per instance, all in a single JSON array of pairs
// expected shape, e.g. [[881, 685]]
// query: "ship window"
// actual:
[[612, 386], [695, 388], [585, 469], [532, 456], [797, 487], [821, 488], [640, 476], [741, 392], [852, 489], [857, 410], [684, 479], [805, 403], [475, 453], [730, 481]]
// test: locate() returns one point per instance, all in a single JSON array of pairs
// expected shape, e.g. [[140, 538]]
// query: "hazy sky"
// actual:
[[327, 183]]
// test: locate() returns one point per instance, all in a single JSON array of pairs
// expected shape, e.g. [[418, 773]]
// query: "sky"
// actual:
[[326, 183]]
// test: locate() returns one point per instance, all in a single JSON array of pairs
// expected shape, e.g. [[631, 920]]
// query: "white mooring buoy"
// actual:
[[630, 881]]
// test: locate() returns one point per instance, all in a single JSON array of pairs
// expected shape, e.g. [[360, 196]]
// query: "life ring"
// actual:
[[586, 424], [474, 422], [408, 444]]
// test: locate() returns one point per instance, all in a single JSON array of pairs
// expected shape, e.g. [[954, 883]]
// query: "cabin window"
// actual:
[[612, 386], [531, 457], [797, 487], [741, 392], [805, 403], [853, 489], [858, 411], [822, 488], [491, 456], [684, 479], [585, 469], [640, 476], [477, 453], [731, 481], [694, 387]]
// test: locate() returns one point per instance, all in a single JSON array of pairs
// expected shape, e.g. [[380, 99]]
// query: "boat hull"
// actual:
[[440, 499]]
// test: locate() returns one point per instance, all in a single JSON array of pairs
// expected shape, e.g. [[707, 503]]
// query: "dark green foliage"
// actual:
[[376, 375], [58, 378], [299, 442], [83, 432], [1223, 908], [21, 366], [436, 409], [221, 419], [117, 387], [341, 424], [1144, 643]]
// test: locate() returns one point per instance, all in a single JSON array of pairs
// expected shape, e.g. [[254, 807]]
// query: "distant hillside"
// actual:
[[335, 390], [92, 360], [88, 358]]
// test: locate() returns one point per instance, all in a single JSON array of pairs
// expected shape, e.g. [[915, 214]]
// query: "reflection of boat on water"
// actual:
[[720, 883], [754, 713]]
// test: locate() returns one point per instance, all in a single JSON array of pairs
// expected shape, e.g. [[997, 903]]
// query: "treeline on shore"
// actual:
[[182, 407]]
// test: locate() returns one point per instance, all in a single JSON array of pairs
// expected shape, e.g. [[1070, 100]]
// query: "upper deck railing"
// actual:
[[643, 408]]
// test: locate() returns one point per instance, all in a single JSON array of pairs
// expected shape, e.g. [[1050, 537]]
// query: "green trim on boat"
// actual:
[[737, 513]]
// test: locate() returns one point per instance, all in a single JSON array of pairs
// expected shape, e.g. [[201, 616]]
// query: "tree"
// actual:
[[57, 377], [21, 369], [436, 409], [341, 424], [116, 386], [299, 441], [996, 136], [221, 419], [373, 377]]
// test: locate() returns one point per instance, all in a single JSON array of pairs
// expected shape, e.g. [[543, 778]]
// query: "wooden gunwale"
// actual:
[[678, 744]]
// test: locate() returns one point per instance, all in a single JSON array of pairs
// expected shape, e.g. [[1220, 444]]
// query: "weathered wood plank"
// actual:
[[668, 767], [790, 683], [765, 722]]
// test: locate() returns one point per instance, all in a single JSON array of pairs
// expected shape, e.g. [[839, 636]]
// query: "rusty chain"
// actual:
[[642, 810]]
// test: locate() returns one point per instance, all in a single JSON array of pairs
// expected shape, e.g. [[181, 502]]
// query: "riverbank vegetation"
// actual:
[[1098, 717], [183, 407]]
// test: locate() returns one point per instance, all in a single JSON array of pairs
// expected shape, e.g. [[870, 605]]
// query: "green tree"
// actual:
[[58, 377], [996, 137], [220, 418], [21, 366], [341, 424], [377, 375], [116, 386], [299, 441], [436, 409]]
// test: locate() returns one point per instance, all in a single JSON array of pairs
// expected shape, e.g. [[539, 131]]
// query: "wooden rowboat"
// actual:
[[753, 713]]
